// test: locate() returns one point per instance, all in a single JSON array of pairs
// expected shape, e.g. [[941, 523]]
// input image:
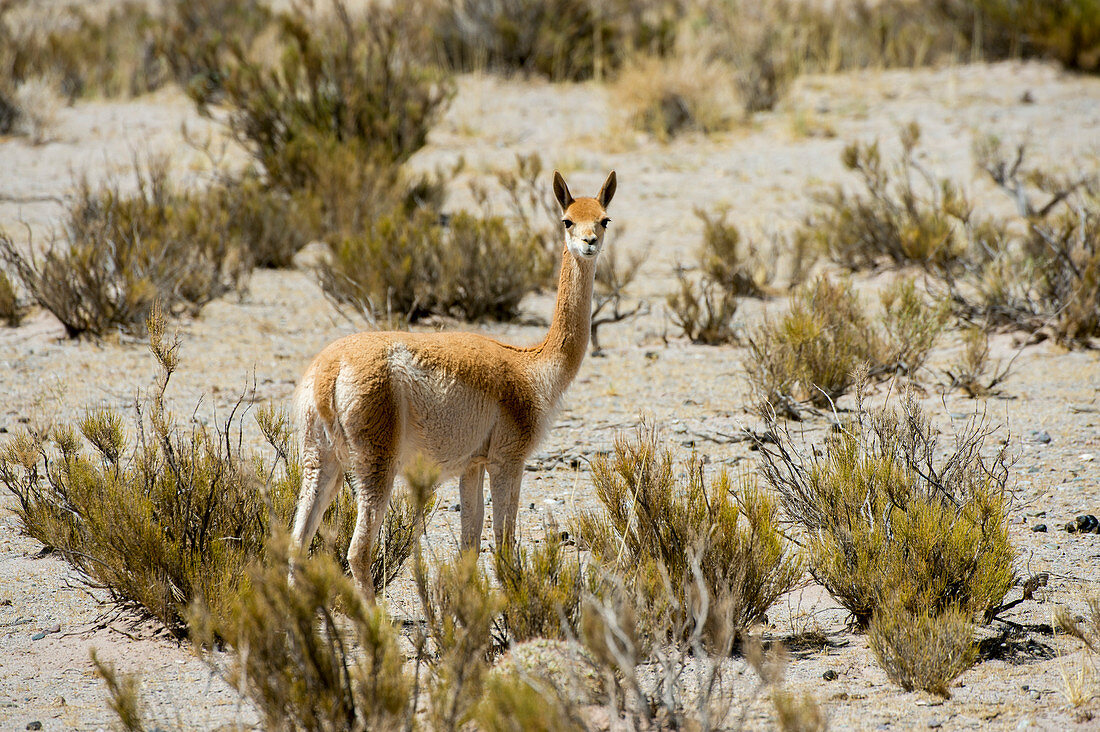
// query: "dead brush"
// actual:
[[903, 215], [923, 650], [613, 278], [11, 310], [161, 515], [653, 526], [666, 96], [888, 516]]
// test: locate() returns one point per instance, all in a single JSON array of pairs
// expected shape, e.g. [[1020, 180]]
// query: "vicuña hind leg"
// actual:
[[471, 496], [504, 480], [320, 479], [373, 486]]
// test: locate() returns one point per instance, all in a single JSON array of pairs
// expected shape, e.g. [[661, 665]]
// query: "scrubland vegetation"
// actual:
[[645, 610]]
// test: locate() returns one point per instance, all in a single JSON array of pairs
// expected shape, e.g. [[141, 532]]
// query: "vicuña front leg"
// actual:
[[504, 480], [373, 486], [471, 496]]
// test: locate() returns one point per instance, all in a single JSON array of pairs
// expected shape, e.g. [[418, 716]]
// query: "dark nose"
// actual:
[[591, 239]]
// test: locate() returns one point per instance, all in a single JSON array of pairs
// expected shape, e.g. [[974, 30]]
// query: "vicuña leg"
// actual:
[[472, 502], [320, 478], [504, 480], [373, 483]]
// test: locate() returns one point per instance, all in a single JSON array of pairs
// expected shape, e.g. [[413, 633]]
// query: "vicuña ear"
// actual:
[[561, 192], [608, 190]]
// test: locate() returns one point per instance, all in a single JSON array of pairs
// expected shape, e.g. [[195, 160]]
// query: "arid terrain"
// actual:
[[765, 172]]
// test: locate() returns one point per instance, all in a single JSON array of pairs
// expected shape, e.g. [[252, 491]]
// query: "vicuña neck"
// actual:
[[567, 340]]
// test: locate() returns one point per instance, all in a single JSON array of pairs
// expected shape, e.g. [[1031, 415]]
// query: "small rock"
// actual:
[[1035, 696], [1041, 436], [532, 507], [55, 628], [1039, 528], [1087, 457], [34, 725], [829, 675], [1025, 687], [38, 636], [456, 507], [935, 724], [1087, 523], [1071, 527], [1027, 98]]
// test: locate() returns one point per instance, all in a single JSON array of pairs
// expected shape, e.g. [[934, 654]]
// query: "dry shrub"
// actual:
[[11, 311], [888, 517], [413, 267], [563, 40], [972, 371], [512, 703], [301, 664], [613, 277], [162, 514], [798, 713], [732, 268], [676, 541], [923, 650], [541, 588], [903, 215], [1048, 277], [666, 96], [1066, 30], [910, 326], [344, 84], [1087, 629], [123, 252], [125, 693]]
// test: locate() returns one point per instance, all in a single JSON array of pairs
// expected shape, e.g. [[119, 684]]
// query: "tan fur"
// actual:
[[370, 401]]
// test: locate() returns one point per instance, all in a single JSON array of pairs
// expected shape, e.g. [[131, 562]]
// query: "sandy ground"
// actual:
[[764, 172]]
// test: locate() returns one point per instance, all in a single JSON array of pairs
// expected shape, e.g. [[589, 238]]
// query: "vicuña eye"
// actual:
[[567, 222], [605, 222]]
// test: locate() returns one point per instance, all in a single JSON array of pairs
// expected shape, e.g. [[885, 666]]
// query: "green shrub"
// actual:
[[677, 541], [813, 350], [910, 327], [923, 650], [409, 268], [542, 590], [887, 517], [303, 666]]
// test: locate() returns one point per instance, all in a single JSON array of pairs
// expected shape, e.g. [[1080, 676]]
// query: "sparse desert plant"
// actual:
[[672, 539], [542, 588], [1087, 629], [125, 693], [910, 326], [703, 311], [888, 517], [612, 280], [120, 253], [343, 82], [513, 703], [923, 650], [972, 371], [798, 712], [667, 96], [812, 351], [904, 215], [303, 665], [38, 103], [411, 267], [11, 311]]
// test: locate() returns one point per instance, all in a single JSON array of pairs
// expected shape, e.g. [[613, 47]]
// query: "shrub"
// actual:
[[564, 40], [812, 351], [667, 96], [122, 253], [162, 515], [703, 311], [1067, 30], [541, 589], [923, 650], [11, 312], [697, 537], [610, 291], [910, 327], [301, 665], [889, 517], [344, 84], [413, 267], [904, 214]]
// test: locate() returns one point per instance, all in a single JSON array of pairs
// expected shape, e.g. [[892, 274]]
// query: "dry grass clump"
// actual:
[[303, 665], [904, 215], [672, 539], [11, 310], [162, 515], [890, 518], [563, 40], [669, 95], [923, 650], [910, 326]]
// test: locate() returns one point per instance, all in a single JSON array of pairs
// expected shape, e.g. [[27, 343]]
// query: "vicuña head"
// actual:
[[370, 401]]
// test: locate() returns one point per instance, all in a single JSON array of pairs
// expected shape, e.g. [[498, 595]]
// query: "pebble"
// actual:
[[935, 723], [38, 636], [1039, 528], [1041, 436], [55, 628], [34, 725], [829, 675], [1036, 696], [1087, 457], [456, 507]]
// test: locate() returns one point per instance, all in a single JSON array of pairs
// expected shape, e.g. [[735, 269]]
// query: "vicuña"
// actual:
[[369, 402]]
